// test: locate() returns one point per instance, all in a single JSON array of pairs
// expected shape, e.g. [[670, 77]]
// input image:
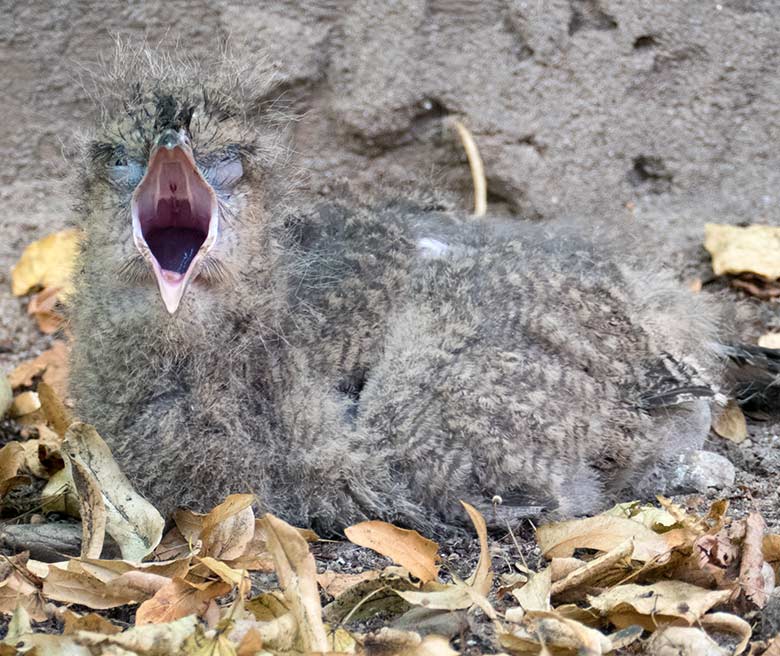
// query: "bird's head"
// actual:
[[175, 171]]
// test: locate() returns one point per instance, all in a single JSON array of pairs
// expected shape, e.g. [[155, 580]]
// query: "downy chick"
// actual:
[[353, 360]]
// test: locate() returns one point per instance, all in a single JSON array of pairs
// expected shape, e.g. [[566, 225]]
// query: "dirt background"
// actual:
[[656, 117]]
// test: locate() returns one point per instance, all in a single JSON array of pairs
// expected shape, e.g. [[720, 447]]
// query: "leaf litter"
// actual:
[[638, 574]]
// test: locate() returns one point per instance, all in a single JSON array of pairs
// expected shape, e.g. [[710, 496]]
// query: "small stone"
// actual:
[[702, 470]]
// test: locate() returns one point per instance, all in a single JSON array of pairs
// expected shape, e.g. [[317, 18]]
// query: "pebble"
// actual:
[[702, 470]]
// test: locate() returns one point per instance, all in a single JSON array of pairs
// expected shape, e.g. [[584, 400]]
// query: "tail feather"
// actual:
[[754, 375]]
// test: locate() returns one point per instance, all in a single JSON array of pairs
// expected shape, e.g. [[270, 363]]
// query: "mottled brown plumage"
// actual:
[[355, 360]]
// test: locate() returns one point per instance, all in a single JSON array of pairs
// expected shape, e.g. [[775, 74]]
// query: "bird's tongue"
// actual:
[[174, 220]]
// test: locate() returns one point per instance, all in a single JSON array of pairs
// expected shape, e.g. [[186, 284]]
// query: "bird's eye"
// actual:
[[125, 172], [226, 172]]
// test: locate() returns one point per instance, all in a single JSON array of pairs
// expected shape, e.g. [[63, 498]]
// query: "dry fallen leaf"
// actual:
[[655, 518], [74, 586], [751, 578], [251, 643], [178, 599], [58, 494], [11, 459], [297, 573], [591, 571], [131, 520], [773, 648], [751, 249], [482, 578], [58, 416], [229, 528], [407, 548], [406, 643], [728, 623], [91, 508], [236, 578], [683, 641], [18, 627], [268, 614], [731, 423], [375, 595], [652, 605], [770, 548], [20, 587], [603, 532], [335, 583], [47, 262], [52, 364], [461, 595], [149, 639], [89, 622], [534, 595], [543, 630], [42, 306]]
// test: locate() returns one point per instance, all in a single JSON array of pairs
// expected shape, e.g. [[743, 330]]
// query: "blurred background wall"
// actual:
[[662, 115]]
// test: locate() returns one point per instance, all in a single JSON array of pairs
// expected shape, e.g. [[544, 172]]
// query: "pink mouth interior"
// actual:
[[174, 210]]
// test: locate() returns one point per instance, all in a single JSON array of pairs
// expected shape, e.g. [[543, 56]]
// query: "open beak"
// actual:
[[175, 216]]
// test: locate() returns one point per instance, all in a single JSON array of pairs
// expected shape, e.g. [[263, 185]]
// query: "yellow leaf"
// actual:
[[47, 262], [407, 548], [236, 578], [751, 249]]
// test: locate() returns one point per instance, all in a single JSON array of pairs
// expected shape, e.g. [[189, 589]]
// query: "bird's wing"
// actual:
[[670, 381]]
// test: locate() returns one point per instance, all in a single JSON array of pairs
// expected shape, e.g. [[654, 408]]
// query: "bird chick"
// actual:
[[354, 360]]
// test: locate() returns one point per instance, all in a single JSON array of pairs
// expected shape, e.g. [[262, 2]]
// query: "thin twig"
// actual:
[[476, 166]]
